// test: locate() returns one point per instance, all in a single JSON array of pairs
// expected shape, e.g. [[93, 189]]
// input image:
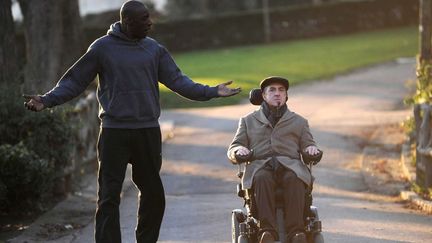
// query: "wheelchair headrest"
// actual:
[[255, 97]]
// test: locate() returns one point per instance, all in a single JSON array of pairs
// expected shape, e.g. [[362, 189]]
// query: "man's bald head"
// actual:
[[135, 19], [132, 8]]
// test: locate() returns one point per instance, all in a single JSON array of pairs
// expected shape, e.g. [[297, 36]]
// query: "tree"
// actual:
[[8, 63], [425, 30], [52, 33], [423, 98], [424, 61]]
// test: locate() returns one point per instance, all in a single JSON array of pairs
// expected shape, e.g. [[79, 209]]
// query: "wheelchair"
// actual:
[[244, 225]]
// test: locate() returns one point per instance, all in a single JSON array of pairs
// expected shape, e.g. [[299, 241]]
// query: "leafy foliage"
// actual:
[[423, 95], [34, 148], [408, 126], [424, 83], [425, 193], [25, 177], [47, 133]]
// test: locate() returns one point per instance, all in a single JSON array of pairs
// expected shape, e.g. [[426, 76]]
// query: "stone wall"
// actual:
[[85, 119]]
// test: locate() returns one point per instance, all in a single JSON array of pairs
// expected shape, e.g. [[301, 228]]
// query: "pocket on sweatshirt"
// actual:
[[134, 105]]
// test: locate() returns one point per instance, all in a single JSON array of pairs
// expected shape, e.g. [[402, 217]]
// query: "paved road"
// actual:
[[342, 112]]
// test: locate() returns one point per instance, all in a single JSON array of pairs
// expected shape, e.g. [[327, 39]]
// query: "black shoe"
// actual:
[[299, 238]]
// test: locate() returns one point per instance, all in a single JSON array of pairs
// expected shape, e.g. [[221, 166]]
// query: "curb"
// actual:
[[379, 182], [380, 161], [409, 172], [407, 169], [423, 205]]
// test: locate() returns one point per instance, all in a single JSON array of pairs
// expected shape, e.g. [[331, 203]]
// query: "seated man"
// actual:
[[271, 138]]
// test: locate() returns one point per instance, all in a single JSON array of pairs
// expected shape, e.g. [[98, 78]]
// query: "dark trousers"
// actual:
[[141, 148], [294, 190]]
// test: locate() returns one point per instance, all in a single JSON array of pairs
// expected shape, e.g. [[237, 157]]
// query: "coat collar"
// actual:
[[260, 116]]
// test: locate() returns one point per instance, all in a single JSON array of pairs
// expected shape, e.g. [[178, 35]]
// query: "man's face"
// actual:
[[275, 94], [138, 24]]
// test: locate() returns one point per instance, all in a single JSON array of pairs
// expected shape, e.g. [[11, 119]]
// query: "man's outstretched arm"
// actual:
[[171, 76], [72, 84]]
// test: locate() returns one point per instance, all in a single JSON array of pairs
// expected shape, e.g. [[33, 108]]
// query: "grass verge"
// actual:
[[299, 61]]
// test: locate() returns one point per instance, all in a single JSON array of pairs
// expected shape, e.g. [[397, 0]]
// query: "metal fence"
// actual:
[[422, 117]]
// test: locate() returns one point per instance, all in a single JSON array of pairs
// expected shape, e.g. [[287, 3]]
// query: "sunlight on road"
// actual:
[[202, 170]]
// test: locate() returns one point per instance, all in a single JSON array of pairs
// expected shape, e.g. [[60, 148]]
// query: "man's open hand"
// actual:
[[224, 91], [243, 154], [33, 103], [312, 150], [242, 151]]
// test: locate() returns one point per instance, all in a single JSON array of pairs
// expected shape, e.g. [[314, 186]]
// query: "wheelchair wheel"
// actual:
[[237, 216], [317, 238]]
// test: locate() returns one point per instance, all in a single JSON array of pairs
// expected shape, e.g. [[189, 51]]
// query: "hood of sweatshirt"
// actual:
[[115, 30]]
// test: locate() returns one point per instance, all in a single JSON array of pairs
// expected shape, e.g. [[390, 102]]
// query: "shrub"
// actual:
[[34, 147], [423, 95], [424, 84], [3, 194], [47, 133], [26, 178]]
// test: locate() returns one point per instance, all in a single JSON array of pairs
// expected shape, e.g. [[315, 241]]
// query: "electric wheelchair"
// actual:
[[244, 225]]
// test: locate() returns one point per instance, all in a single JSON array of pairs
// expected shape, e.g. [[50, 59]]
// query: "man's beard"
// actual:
[[138, 33]]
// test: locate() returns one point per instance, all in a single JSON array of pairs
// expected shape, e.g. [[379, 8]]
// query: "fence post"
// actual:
[[422, 116], [425, 130], [419, 162]]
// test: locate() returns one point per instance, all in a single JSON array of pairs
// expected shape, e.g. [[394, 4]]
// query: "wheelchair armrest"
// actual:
[[314, 159]]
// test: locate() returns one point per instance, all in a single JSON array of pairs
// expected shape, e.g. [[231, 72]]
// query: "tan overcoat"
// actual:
[[290, 135]]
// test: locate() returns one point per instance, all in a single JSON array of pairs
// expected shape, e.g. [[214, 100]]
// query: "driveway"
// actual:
[[343, 112]]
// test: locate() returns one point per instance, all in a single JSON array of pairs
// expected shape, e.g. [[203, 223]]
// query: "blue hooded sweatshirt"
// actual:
[[128, 72]]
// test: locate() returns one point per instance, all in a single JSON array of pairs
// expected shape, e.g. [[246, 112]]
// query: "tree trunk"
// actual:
[[51, 30], [72, 34], [425, 30], [8, 60], [266, 21]]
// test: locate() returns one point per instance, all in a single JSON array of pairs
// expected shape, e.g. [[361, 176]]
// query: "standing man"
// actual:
[[270, 139], [128, 65]]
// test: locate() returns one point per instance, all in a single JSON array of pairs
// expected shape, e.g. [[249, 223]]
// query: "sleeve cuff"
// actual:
[[45, 101], [214, 92]]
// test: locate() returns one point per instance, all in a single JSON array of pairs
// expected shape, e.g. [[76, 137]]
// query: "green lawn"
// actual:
[[299, 61]]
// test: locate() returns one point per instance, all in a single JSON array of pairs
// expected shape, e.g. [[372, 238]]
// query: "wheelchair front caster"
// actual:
[[237, 217], [316, 238], [243, 239]]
